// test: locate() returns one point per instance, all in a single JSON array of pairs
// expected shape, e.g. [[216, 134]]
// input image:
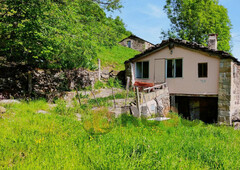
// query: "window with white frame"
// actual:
[[142, 69], [174, 68]]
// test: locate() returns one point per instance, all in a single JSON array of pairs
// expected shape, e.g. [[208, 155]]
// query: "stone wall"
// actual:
[[235, 92], [52, 83], [229, 92], [148, 45], [136, 44], [21, 81], [155, 103], [13, 81], [224, 92]]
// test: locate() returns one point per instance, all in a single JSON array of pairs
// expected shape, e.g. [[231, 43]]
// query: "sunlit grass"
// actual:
[[116, 56], [30, 140]]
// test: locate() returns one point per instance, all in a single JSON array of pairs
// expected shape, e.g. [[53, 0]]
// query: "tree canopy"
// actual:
[[193, 20], [57, 33]]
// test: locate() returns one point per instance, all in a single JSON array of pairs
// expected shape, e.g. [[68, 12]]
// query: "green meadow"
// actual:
[[116, 56], [57, 140]]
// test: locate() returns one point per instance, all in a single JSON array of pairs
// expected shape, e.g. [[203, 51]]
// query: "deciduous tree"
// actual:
[[57, 33], [193, 20]]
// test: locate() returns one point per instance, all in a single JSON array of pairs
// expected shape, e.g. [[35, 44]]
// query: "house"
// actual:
[[136, 43], [203, 82]]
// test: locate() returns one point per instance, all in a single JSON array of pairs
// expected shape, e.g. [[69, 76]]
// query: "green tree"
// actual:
[[193, 20], [57, 33], [110, 5]]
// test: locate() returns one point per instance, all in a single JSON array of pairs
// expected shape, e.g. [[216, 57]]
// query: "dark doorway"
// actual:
[[203, 108]]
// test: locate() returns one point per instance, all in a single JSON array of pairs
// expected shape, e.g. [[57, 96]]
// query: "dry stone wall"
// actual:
[[20, 82], [155, 103], [13, 81]]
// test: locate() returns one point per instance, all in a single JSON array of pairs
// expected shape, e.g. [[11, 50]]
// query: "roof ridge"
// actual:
[[188, 44], [136, 37]]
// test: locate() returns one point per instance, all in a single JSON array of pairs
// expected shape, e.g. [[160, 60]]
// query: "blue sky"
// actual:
[[146, 19]]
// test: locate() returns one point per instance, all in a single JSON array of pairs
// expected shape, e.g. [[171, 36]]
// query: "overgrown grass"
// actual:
[[112, 82], [30, 140], [107, 101], [116, 56]]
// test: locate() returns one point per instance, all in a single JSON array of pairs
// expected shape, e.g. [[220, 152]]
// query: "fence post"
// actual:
[[29, 82], [114, 101], [138, 100], [127, 88], [99, 69]]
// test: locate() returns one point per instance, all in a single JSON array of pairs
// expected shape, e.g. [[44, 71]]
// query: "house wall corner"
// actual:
[[235, 93], [224, 92], [129, 72]]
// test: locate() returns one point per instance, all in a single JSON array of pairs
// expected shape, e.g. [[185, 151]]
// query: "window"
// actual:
[[174, 68], [170, 68], [129, 44], [202, 69], [142, 69]]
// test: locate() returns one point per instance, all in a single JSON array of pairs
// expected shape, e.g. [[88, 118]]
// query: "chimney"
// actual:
[[212, 41]]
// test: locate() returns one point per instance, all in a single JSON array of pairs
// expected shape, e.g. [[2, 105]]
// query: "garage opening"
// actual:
[[202, 108]]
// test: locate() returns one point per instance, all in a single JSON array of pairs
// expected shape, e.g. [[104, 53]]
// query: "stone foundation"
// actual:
[[155, 103]]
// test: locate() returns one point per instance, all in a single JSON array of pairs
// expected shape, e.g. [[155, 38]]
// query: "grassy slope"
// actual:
[[116, 56], [48, 141]]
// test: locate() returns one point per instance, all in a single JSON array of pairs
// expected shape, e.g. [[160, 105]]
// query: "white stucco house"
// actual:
[[203, 82]]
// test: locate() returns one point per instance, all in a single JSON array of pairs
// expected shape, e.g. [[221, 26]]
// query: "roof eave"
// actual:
[[195, 46]]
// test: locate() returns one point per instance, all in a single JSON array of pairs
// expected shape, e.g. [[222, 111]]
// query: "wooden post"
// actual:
[[138, 100], [127, 88], [132, 74], [95, 97], [99, 69], [29, 82], [78, 96], [114, 99]]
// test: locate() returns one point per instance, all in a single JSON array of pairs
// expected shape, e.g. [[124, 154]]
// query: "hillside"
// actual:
[[58, 34], [116, 56]]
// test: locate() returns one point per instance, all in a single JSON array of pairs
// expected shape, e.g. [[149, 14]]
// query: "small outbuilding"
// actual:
[[136, 43]]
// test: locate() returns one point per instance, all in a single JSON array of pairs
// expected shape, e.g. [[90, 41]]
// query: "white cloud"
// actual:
[[154, 11]]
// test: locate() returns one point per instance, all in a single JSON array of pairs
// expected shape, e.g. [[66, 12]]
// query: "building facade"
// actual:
[[136, 43], [203, 83]]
